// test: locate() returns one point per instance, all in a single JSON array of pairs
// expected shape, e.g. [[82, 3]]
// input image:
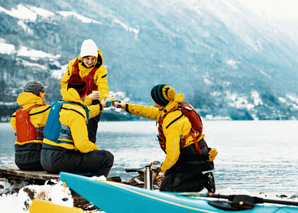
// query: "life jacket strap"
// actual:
[[89, 78], [76, 67], [195, 139]]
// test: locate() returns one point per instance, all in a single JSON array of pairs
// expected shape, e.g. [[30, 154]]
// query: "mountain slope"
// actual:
[[228, 61]]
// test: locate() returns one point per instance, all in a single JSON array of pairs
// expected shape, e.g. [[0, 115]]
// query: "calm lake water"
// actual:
[[255, 157]]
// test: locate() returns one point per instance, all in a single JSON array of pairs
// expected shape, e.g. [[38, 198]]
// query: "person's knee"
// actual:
[[166, 184], [109, 158]]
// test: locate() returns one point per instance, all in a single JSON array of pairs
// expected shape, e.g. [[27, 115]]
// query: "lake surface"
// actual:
[[255, 157]]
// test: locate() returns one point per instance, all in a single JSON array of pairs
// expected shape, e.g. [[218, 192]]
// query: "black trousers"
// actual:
[[97, 163], [28, 160], [186, 175], [191, 181], [93, 125]]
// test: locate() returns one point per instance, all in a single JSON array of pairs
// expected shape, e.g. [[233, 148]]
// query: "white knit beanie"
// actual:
[[89, 48]]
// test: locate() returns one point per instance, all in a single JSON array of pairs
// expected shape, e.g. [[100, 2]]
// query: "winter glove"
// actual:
[[212, 154], [158, 170]]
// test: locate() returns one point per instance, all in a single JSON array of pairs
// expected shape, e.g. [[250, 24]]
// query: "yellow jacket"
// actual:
[[100, 76], [75, 117], [172, 128], [38, 115]]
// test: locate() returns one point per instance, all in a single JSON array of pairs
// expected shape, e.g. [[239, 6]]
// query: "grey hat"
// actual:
[[34, 87]]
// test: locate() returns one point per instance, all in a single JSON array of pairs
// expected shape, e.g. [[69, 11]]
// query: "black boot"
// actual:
[[115, 179], [209, 183]]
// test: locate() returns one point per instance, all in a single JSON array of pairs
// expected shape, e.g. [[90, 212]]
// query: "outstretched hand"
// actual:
[[119, 104], [105, 101]]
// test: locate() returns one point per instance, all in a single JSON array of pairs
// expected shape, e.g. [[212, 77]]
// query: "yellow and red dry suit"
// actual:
[[29, 131], [175, 125], [72, 151], [95, 76]]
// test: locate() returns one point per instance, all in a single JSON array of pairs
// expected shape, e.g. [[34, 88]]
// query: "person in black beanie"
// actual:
[[184, 163]]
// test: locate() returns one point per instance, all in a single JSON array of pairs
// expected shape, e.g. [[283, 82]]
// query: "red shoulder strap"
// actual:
[[91, 74], [33, 107], [76, 67]]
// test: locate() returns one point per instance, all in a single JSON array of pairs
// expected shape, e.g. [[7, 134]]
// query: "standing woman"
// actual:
[[29, 122], [88, 65]]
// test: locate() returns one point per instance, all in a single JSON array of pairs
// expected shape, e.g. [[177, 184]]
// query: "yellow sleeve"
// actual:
[[144, 111], [13, 121], [88, 101], [67, 74], [94, 110], [79, 134], [102, 82]]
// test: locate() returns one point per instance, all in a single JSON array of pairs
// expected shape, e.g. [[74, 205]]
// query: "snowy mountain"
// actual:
[[230, 61]]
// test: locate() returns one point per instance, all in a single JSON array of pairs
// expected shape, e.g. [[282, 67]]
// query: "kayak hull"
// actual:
[[116, 197]]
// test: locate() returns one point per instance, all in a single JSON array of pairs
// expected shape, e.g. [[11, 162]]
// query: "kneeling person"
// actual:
[[66, 144], [187, 153]]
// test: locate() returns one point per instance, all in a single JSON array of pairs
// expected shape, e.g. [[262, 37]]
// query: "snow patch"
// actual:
[[216, 118], [57, 194], [207, 81], [30, 13], [58, 74], [256, 45], [231, 6], [6, 48], [256, 97], [233, 63], [282, 100], [78, 16], [21, 12], [25, 27], [127, 28], [265, 74], [35, 54], [239, 102], [42, 12], [8, 203], [29, 64], [292, 98]]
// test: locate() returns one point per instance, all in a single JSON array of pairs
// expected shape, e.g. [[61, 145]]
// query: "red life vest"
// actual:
[[88, 79], [25, 130], [196, 123]]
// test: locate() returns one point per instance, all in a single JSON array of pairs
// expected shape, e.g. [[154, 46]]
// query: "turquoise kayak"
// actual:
[[117, 197]]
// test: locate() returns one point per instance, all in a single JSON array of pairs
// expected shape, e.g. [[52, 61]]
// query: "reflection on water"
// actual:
[[254, 156]]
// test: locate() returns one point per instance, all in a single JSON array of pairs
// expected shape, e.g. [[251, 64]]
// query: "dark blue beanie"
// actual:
[[157, 94]]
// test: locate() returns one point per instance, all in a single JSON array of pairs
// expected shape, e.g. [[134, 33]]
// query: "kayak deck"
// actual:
[[117, 197]]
